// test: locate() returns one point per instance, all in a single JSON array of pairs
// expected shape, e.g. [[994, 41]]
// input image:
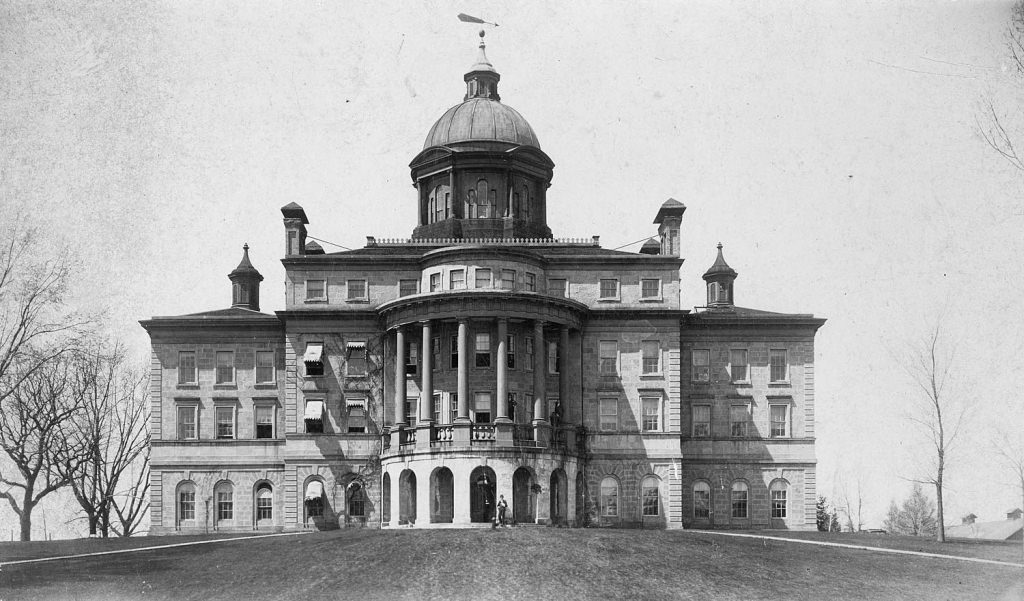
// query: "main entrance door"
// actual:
[[481, 494], [522, 497]]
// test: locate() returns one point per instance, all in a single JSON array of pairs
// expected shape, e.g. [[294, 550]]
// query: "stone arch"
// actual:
[[223, 504], [442, 496], [524, 500], [314, 501], [264, 504], [185, 510], [558, 492], [407, 497], [482, 488]]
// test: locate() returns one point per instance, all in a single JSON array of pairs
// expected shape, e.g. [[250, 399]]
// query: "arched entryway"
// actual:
[[581, 500], [442, 496], [481, 494], [523, 507], [558, 491], [407, 497]]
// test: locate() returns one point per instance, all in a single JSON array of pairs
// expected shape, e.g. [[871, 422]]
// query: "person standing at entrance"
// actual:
[[502, 507]]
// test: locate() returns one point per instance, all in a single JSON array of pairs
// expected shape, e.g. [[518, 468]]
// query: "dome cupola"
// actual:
[[481, 173]]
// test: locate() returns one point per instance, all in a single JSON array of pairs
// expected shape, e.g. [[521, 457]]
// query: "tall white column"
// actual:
[[427, 380], [399, 377]]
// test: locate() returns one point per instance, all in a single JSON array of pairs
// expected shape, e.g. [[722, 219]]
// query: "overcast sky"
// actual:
[[830, 146]]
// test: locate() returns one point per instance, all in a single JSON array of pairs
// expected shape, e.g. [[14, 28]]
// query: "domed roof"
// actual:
[[481, 120]]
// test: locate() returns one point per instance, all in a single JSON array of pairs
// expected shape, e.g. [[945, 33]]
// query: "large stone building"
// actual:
[[413, 382]]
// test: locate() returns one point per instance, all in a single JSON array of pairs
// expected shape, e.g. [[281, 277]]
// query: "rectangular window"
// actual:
[[610, 498], [510, 352], [508, 279], [186, 505], [701, 421], [739, 502], [264, 421], [651, 357], [649, 494], [225, 506], [457, 279], [408, 287], [738, 418], [779, 504], [187, 367], [530, 282], [412, 358], [609, 414], [265, 367], [528, 348], [779, 372], [701, 365], [437, 408], [453, 401], [738, 365], [187, 422], [483, 278], [435, 353], [558, 287], [225, 422], [264, 507], [780, 420], [435, 282], [355, 360], [316, 290], [314, 417], [356, 417], [453, 353], [411, 410], [650, 289], [608, 358], [483, 350], [609, 289], [225, 367], [482, 408], [554, 358], [651, 407], [701, 503], [313, 359], [357, 290]]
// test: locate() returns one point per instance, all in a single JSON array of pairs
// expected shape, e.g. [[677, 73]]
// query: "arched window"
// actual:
[[356, 499], [610, 497], [650, 495], [701, 500], [526, 200], [471, 204], [385, 501], [264, 503], [224, 498], [739, 499], [313, 500], [186, 502], [779, 493]]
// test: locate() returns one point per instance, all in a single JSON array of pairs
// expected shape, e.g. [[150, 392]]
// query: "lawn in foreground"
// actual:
[[524, 563]]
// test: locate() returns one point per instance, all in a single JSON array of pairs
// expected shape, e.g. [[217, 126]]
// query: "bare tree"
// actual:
[[851, 502], [936, 411], [998, 129], [112, 432], [1009, 447], [36, 430]]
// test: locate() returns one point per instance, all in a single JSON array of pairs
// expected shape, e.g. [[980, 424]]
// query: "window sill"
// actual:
[[653, 375], [652, 300], [265, 385], [781, 384], [356, 301], [609, 300], [225, 386], [741, 383], [188, 386], [314, 301]]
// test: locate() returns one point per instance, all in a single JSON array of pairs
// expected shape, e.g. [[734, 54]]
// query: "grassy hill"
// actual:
[[523, 563]]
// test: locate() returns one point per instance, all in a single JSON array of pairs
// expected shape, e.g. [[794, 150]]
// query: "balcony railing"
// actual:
[[523, 436], [564, 438], [482, 433], [440, 435]]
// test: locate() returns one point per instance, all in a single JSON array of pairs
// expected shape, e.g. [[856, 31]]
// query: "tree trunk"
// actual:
[[940, 530], [26, 521], [93, 518]]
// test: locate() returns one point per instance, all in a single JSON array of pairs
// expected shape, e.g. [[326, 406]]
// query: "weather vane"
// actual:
[[470, 19]]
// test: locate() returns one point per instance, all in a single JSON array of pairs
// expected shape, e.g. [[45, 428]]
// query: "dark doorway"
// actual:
[[522, 497], [481, 494], [407, 497], [559, 497], [442, 496], [385, 500]]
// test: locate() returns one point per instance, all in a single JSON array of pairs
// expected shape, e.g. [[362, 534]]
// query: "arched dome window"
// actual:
[[484, 200]]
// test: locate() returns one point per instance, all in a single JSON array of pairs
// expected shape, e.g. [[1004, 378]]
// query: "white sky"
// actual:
[[830, 146]]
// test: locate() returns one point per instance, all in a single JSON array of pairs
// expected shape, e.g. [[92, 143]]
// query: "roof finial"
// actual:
[[245, 247], [719, 246]]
